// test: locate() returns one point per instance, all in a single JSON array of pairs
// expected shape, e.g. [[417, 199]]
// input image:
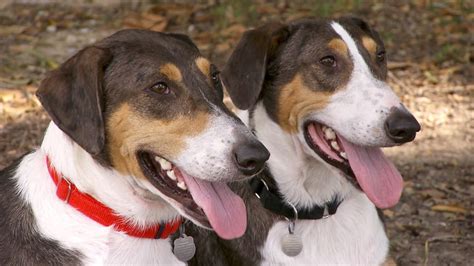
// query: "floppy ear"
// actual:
[[72, 96], [244, 72]]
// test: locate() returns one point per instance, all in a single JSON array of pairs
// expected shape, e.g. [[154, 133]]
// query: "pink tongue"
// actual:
[[376, 175], [224, 209]]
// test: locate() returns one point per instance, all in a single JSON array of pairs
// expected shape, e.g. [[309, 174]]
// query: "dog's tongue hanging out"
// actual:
[[224, 209], [376, 175]]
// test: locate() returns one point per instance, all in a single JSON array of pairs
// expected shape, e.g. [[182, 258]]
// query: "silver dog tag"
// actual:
[[184, 248], [291, 244]]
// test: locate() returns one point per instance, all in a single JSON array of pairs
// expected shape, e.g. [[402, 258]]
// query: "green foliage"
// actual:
[[230, 11], [327, 8], [448, 52]]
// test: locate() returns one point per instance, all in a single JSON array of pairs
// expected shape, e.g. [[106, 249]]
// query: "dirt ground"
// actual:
[[430, 48]]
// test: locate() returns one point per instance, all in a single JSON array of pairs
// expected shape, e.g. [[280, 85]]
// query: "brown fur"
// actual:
[[129, 131], [203, 65], [172, 72], [339, 46], [296, 101], [370, 45]]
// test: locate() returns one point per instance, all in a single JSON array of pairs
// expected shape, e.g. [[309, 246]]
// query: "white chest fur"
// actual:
[[96, 243], [354, 235]]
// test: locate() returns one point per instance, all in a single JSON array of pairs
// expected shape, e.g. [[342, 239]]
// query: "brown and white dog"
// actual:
[[139, 137], [317, 98]]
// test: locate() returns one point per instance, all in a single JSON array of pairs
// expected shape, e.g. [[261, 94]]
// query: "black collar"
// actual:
[[272, 200]]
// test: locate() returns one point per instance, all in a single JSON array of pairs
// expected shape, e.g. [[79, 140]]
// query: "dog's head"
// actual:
[[325, 82], [148, 105]]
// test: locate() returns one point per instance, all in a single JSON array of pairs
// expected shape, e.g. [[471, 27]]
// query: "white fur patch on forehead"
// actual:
[[359, 62], [358, 111]]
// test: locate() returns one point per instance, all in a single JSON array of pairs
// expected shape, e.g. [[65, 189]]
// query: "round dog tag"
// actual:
[[291, 245], [184, 248]]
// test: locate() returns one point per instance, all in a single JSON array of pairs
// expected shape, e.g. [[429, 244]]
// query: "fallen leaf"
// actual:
[[388, 213], [448, 208], [146, 21]]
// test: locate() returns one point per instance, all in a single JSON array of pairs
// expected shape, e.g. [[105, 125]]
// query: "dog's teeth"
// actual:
[[329, 133], [335, 145], [343, 155], [171, 175], [182, 185], [165, 165]]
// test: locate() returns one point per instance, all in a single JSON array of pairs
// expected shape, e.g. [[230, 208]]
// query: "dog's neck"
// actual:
[[117, 191], [301, 178]]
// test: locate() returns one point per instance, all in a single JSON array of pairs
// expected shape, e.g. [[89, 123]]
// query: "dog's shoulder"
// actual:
[[20, 242]]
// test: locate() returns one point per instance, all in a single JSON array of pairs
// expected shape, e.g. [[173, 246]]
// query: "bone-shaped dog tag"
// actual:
[[184, 248]]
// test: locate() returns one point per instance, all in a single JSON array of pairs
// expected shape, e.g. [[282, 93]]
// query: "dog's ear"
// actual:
[[244, 72], [73, 97]]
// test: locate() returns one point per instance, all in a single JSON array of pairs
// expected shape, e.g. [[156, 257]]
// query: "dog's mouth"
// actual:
[[211, 204], [366, 167]]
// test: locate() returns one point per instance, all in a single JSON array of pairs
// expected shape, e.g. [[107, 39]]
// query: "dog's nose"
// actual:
[[401, 126], [250, 157]]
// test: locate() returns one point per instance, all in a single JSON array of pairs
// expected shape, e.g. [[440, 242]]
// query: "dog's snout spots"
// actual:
[[370, 45], [204, 65], [172, 72], [296, 101], [339, 46]]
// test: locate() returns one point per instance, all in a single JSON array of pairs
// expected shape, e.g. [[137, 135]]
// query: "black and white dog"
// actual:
[[139, 137], [316, 95]]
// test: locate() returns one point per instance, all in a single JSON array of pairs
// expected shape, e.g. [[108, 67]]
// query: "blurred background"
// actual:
[[430, 50]]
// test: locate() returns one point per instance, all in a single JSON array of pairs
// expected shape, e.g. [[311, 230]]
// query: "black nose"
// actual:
[[250, 157], [401, 126]]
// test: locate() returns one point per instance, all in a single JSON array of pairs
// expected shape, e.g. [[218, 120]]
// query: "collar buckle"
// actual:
[[69, 188]]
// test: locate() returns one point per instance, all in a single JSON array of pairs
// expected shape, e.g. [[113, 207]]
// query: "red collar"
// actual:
[[102, 214]]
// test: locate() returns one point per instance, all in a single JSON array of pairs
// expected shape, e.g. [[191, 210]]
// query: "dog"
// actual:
[[314, 92], [139, 137]]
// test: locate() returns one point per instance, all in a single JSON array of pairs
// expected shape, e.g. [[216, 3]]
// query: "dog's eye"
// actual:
[[381, 56], [328, 61], [160, 88], [216, 82]]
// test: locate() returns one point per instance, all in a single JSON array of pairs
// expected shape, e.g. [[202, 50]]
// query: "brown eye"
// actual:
[[328, 61], [215, 76], [216, 81], [381, 56], [160, 88]]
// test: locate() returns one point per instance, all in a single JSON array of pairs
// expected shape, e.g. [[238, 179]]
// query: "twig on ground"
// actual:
[[446, 238]]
